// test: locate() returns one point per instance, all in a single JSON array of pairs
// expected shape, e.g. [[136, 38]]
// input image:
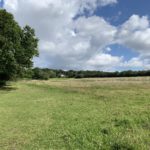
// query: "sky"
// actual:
[[108, 35]]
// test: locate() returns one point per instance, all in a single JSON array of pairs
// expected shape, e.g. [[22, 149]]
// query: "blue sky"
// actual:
[[91, 34], [1, 3], [127, 8]]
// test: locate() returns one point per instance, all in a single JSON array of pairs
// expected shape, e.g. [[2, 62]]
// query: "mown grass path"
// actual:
[[107, 114]]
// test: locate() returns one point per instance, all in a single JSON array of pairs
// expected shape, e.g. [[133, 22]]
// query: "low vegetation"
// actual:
[[107, 114]]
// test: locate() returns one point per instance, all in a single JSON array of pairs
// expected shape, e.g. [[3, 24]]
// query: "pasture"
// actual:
[[70, 114]]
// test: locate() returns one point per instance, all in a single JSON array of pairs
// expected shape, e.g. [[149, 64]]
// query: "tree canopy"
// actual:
[[17, 47]]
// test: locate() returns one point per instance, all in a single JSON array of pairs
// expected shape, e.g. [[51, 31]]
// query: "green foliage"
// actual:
[[39, 74], [28, 73], [52, 74], [43, 74], [17, 47]]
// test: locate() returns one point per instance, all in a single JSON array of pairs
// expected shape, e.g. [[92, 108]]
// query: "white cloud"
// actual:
[[105, 62], [135, 34], [96, 29], [136, 23], [11, 5], [108, 49], [134, 62], [137, 62]]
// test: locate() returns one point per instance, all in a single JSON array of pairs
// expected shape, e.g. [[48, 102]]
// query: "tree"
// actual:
[[17, 47], [40, 74]]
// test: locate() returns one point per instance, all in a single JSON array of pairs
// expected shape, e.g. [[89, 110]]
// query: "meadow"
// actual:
[[76, 114]]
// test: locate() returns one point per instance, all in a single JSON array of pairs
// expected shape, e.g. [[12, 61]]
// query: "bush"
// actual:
[[39, 74], [52, 74]]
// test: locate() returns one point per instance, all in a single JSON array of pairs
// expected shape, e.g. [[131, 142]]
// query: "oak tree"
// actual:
[[18, 46]]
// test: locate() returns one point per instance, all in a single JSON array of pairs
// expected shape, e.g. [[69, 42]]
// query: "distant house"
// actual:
[[62, 76]]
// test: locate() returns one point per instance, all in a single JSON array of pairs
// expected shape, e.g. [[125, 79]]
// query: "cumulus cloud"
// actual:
[[104, 61], [136, 62], [135, 34], [69, 40]]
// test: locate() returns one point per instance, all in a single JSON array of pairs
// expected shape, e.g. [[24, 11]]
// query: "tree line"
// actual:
[[39, 73]]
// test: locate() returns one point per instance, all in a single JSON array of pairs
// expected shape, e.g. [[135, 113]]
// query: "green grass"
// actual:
[[85, 114]]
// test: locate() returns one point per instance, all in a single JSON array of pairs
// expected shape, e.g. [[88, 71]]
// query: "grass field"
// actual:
[[70, 114]]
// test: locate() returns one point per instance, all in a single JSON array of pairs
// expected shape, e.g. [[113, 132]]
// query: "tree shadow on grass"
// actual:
[[7, 88]]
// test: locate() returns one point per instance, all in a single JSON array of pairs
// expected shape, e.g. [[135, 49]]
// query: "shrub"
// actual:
[[39, 74]]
